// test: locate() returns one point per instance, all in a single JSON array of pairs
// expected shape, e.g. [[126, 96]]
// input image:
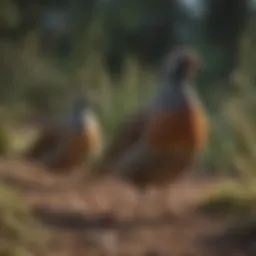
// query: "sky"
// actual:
[[194, 5], [191, 3]]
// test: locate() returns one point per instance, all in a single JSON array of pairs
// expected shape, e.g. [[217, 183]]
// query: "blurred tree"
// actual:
[[225, 20], [27, 18], [143, 28]]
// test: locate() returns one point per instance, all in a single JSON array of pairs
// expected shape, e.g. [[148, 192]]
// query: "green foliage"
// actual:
[[4, 135], [232, 145], [20, 234], [5, 132], [224, 30], [133, 88], [233, 141], [4, 143], [221, 26], [230, 198]]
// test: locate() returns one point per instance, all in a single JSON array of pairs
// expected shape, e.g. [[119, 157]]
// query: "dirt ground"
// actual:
[[110, 218]]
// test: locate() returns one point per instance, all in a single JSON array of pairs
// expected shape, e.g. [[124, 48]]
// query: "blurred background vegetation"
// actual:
[[51, 50]]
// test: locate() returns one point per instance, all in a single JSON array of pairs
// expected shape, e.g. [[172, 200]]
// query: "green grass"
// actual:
[[20, 234], [233, 146], [231, 198]]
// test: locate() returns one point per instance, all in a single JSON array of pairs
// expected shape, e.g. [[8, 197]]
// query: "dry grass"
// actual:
[[20, 234], [230, 197]]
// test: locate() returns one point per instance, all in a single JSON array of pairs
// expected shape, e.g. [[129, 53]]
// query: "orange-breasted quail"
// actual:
[[68, 145], [157, 143]]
